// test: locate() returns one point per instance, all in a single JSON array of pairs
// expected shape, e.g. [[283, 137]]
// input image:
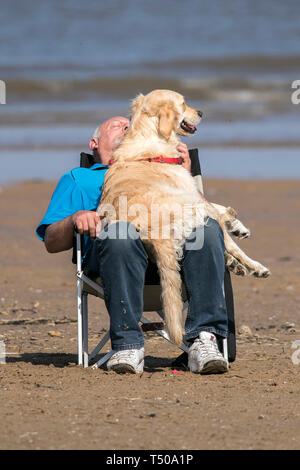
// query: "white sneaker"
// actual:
[[127, 360], [205, 357]]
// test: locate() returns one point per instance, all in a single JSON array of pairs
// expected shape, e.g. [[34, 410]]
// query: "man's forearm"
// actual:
[[59, 235]]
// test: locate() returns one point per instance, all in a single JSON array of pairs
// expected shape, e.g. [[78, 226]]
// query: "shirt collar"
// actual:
[[98, 165]]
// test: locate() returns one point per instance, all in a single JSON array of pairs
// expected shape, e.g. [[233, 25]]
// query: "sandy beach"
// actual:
[[48, 402], [65, 68]]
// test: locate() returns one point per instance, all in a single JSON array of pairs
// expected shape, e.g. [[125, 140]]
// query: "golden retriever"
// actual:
[[153, 189]]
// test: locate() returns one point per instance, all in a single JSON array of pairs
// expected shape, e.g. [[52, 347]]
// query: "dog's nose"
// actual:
[[200, 114]]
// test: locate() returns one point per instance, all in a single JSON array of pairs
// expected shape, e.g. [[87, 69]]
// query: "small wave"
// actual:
[[229, 144], [245, 63], [215, 89], [69, 89]]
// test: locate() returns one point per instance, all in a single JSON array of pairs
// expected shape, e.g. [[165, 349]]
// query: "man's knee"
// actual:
[[213, 235], [120, 238]]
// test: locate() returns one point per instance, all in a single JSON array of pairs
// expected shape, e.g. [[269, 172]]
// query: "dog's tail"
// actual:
[[168, 267]]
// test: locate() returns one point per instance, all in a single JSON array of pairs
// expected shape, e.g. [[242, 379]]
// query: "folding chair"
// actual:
[[152, 290]]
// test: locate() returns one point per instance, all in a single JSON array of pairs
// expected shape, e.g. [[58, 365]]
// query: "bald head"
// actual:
[[107, 137]]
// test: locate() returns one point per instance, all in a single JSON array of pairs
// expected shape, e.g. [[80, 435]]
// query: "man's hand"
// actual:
[[59, 235], [184, 154], [86, 222]]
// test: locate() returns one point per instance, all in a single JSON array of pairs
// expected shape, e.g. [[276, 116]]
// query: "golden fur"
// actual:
[[152, 187]]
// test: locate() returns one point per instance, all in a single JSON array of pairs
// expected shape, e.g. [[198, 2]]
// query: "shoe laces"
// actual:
[[128, 353], [207, 346]]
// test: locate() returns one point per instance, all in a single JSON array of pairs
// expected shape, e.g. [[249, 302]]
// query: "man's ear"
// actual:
[[137, 104], [166, 120], [93, 144]]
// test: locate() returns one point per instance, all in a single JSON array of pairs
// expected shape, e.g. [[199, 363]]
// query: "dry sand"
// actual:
[[48, 402]]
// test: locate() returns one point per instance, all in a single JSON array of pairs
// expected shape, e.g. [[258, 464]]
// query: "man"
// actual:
[[122, 262]]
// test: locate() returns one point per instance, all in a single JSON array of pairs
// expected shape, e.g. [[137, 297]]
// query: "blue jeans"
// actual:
[[121, 264]]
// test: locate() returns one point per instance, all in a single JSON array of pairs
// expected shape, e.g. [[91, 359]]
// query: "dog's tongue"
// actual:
[[188, 127], [192, 128]]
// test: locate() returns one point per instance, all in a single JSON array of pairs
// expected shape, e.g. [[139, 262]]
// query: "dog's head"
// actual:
[[169, 112]]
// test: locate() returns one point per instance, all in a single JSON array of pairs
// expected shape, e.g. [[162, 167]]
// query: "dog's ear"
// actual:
[[137, 103], [167, 117]]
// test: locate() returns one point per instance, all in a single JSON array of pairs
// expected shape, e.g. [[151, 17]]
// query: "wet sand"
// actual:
[[48, 402]]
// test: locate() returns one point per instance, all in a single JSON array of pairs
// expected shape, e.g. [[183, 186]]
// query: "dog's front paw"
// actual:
[[239, 230]]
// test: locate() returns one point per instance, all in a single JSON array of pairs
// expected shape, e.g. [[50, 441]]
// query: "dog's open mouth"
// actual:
[[188, 127]]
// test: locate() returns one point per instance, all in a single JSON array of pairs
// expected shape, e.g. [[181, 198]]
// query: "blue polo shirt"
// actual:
[[79, 189]]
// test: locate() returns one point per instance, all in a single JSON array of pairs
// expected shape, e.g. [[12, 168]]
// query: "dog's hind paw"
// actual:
[[235, 266], [261, 272]]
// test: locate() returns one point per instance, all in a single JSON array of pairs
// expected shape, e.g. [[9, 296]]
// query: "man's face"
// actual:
[[113, 131], [111, 134]]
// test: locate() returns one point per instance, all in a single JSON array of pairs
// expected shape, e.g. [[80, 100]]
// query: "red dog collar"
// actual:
[[160, 159]]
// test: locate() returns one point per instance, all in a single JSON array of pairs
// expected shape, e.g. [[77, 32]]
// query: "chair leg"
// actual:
[[163, 333], [103, 359], [99, 346], [231, 339], [225, 349], [85, 330], [79, 321]]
